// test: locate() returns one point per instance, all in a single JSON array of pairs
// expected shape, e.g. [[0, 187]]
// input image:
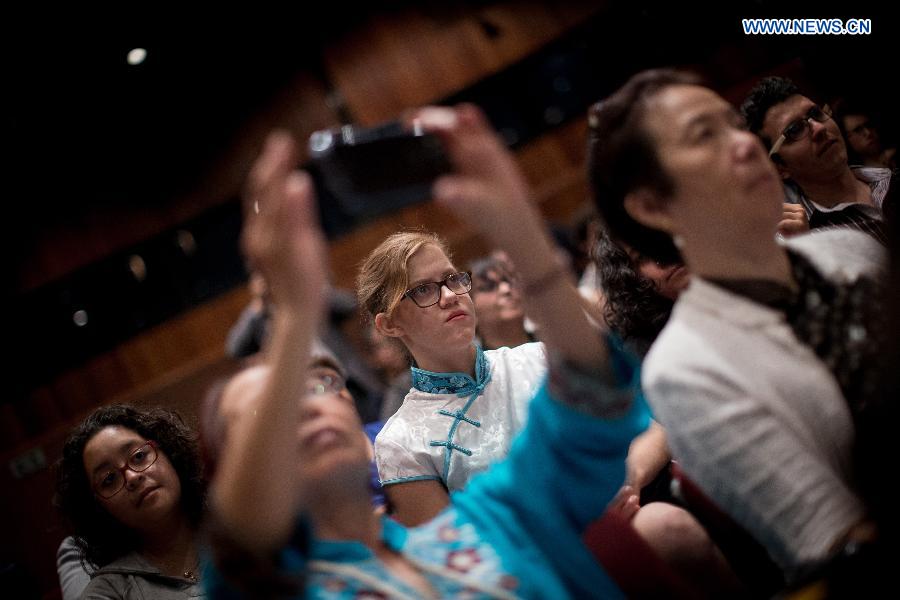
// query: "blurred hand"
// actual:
[[281, 235], [626, 502], [487, 188], [488, 191], [793, 221]]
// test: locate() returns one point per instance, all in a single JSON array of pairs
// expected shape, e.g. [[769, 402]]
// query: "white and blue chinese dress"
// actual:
[[451, 426]]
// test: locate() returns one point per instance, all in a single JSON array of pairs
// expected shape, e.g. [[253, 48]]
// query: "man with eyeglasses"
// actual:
[[808, 150]]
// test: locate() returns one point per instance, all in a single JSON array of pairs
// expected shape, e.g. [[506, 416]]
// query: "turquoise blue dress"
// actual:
[[513, 532]]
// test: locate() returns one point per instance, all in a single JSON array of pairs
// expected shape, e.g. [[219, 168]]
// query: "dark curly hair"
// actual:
[[622, 157], [765, 94], [100, 537], [634, 309]]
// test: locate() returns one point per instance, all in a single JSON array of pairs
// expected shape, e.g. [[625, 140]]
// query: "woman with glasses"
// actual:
[[772, 349], [130, 484], [466, 404], [516, 530]]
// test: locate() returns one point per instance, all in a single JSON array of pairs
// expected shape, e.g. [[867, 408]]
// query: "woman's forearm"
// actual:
[[256, 489]]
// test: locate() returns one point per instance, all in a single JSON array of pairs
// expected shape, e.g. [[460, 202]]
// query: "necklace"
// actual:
[[193, 573]]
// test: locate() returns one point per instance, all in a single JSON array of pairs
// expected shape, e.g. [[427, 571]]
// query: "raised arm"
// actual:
[[256, 491], [489, 191]]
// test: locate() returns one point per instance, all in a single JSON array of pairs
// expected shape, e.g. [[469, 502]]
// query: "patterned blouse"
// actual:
[[451, 426]]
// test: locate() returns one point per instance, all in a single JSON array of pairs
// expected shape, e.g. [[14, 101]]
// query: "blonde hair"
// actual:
[[384, 275]]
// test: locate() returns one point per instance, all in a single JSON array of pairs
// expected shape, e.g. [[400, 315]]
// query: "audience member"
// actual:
[[466, 404], [391, 361], [498, 303], [515, 531], [130, 484], [864, 144], [768, 352], [639, 292], [808, 151]]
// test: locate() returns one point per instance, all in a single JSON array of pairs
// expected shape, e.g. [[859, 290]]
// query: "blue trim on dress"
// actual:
[[459, 415], [462, 385], [408, 479]]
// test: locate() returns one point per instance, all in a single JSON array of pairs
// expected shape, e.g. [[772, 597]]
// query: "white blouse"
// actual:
[[448, 437]]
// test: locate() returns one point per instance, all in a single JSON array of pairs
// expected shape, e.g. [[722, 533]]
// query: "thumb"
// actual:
[[450, 190], [300, 195]]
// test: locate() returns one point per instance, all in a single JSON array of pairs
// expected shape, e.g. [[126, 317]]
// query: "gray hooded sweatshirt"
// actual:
[[133, 578]]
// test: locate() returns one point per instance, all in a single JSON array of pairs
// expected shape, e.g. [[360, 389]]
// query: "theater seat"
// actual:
[[747, 557], [631, 562]]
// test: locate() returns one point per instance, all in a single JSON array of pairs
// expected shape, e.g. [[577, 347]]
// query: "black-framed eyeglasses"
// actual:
[[800, 128], [429, 293], [111, 482]]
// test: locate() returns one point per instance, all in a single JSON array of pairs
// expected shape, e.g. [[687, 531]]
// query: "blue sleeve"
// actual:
[[564, 462], [560, 474]]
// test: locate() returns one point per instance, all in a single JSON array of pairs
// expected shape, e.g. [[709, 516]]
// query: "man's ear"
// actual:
[[647, 208], [385, 325]]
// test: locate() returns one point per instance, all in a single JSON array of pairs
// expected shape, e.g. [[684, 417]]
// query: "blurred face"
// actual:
[[496, 298], [449, 324], [386, 355], [861, 136], [330, 439], [669, 280], [329, 433], [147, 497], [725, 186], [818, 154]]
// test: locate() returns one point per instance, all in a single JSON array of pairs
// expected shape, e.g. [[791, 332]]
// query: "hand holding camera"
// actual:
[[361, 174]]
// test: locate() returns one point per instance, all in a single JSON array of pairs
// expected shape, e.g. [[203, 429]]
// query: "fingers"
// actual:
[[631, 506], [470, 142], [282, 239], [793, 210], [453, 189], [792, 227], [626, 502], [434, 119], [277, 159], [794, 220]]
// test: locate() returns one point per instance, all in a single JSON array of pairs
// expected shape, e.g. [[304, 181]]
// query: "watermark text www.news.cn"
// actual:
[[807, 26]]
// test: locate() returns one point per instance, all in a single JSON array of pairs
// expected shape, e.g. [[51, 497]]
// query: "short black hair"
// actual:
[[623, 158], [100, 537], [765, 94]]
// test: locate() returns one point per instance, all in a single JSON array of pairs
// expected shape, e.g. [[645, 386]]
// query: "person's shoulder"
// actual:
[[104, 585], [131, 563], [871, 174], [680, 346], [411, 416], [841, 251], [527, 351], [113, 580]]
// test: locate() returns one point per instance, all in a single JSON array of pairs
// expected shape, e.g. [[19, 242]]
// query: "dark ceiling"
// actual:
[[83, 129]]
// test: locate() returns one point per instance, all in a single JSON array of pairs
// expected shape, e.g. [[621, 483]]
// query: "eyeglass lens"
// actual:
[[427, 294], [799, 128]]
